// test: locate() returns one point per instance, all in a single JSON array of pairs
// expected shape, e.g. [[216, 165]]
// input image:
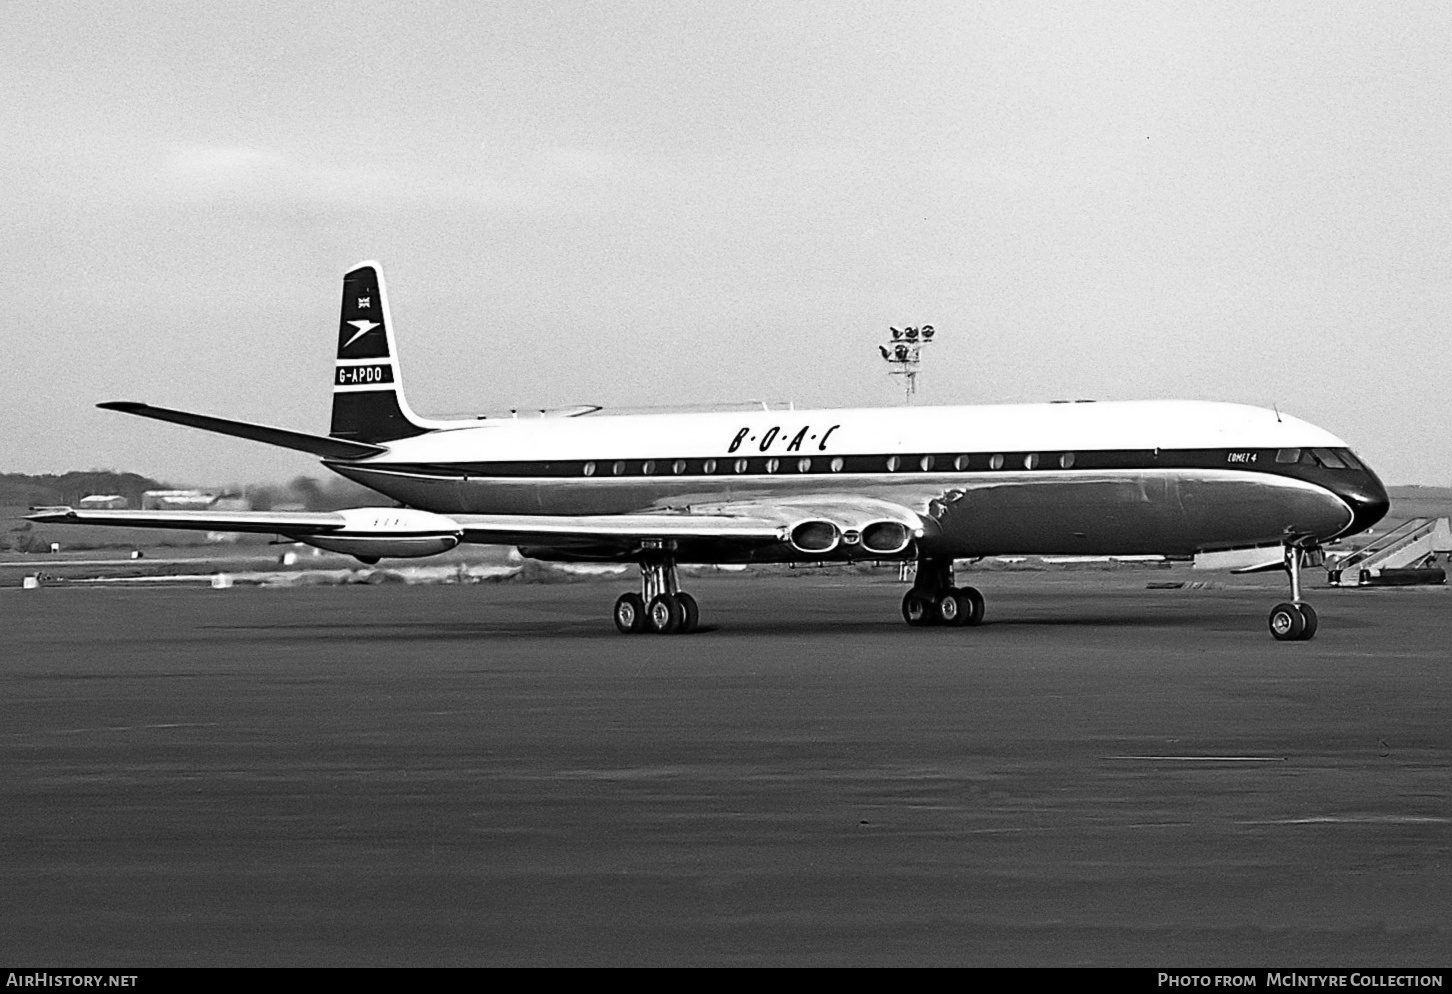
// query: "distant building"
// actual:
[[178, 500], [110, 502]]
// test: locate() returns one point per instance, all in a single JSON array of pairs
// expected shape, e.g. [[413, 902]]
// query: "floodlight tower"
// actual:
[[903, 354]]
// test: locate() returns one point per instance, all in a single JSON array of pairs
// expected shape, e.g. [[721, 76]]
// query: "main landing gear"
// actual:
[[935, 601], [661, 607], [1296, 621]]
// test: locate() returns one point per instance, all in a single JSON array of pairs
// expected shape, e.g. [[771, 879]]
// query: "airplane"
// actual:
[[929, 485]]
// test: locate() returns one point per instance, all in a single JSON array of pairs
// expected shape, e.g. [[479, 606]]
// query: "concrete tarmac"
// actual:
[[469, 775]]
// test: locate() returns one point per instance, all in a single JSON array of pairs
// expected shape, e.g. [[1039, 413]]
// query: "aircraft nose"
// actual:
[[1368, 500]]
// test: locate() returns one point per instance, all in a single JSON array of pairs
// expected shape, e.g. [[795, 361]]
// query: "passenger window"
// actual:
[[741, 465], [710, 466], [648, 468], [893, 462], [926, 462], [996, 462], [1328, 459], [1066, 461], [679, 466], [804, 465], [772, 464], [589, 469], [837, 464], [1031, 461], [618, 468], [1288, 455], [960, 463]]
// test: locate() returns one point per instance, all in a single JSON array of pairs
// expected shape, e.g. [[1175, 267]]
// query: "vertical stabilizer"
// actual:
[[368, 403]]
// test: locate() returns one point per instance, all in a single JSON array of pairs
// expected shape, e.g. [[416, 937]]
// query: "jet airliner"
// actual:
[[930, 484]]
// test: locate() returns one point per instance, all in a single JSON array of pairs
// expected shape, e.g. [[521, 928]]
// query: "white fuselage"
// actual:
[[1172, 477]]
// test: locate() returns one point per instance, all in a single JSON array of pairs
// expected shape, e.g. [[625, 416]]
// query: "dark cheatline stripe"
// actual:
[[880, 464]]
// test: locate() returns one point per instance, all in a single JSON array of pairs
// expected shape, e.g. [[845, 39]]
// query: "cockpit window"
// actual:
[[1327, 458], [1351, 461], [1288, 455]]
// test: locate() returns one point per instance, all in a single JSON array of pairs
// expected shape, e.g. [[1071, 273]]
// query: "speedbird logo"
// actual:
[[364, 327]]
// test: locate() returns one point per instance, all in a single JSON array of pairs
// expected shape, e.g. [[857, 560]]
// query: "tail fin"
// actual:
[[368, 402]]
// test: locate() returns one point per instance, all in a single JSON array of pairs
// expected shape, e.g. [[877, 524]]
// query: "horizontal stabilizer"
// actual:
[[318, 445]]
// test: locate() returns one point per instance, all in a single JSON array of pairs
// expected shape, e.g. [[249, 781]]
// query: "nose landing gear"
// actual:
[[661, 607], [935, 601], [1295, 621]]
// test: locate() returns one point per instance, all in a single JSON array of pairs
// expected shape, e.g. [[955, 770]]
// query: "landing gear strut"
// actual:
[[1296, 621], [935, 601], [661, 607]]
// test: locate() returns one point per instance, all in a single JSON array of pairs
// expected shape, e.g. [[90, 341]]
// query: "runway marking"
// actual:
[[190, 560], [119, 728], [1204, 759], [1355, 820], [165, 578]]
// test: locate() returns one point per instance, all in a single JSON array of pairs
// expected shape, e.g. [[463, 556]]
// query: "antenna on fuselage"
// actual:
[[904, 354]]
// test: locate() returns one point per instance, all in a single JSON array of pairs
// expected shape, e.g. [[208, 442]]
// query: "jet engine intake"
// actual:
[[815, 536], [886, 537]]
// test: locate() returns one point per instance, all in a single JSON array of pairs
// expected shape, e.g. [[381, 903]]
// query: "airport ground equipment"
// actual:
[[1405, 555]]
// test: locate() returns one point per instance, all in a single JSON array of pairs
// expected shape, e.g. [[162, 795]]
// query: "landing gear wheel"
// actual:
[[917, 610], [630, 614], [1287, 623], [951, 607], [663, 616], [973, 612], [1309, 613], [690, 613]]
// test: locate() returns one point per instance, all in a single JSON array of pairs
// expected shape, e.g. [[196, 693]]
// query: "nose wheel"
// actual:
[[661, 607], [1295, 621], [935, 601]]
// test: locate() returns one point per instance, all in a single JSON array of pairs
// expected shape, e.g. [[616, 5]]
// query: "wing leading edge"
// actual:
[[255, 522]]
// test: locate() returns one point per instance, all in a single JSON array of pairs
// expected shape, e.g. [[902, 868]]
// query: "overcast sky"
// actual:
[[657, 203]]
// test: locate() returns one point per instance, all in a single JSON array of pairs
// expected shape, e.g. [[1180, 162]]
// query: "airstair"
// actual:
[[1405, 555]]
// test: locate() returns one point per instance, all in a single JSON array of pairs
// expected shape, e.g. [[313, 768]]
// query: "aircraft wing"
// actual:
[[802, 527], [260, 522]]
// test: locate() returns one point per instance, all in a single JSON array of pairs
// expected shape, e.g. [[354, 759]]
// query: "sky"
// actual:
[[641, 204]]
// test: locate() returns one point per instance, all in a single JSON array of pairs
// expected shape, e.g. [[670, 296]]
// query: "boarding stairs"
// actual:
[[1404, 555]]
